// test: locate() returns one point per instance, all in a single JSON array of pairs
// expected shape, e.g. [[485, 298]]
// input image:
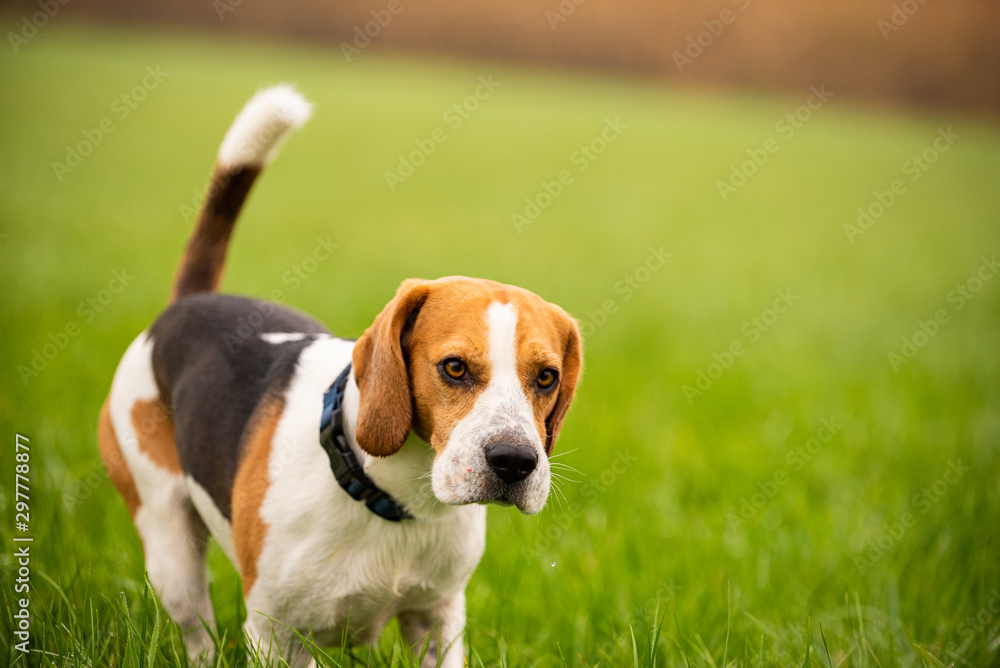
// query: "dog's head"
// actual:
[[484, 372]]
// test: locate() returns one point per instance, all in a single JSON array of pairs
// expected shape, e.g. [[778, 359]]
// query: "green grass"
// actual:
[[644, 553]]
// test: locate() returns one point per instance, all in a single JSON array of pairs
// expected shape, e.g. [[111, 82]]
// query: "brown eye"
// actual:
[[454, 368], [547, 378]]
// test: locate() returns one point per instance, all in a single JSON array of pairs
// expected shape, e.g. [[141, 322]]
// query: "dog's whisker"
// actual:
[[566, 467], [559, 495], [562, 454]]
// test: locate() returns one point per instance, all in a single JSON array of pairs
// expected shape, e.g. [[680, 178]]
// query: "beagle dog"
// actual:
[[345, 479]]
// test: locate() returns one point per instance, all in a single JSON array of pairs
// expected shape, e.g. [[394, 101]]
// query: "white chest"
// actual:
[[326, 558], [334, 562]]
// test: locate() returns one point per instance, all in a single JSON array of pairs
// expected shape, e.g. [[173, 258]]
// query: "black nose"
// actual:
[[511, 463]]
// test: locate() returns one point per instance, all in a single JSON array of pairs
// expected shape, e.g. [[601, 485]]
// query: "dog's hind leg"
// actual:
[[174, 540], [137, 444]]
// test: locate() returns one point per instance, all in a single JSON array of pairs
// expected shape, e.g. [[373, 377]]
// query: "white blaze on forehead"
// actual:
[[503, 405], [502, 322]]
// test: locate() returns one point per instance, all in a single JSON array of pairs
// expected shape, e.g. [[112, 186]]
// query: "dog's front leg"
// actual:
[[440, 629]]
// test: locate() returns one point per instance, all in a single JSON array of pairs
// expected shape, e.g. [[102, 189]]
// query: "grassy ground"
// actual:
[[772, 488]]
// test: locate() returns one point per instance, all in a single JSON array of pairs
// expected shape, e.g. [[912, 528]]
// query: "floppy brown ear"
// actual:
[[385, 413], [572, 365]]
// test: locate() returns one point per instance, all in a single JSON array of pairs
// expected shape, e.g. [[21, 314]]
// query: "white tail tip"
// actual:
[[260, 129]]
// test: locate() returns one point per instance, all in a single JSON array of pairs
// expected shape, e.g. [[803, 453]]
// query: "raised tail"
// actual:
[[251, 142]]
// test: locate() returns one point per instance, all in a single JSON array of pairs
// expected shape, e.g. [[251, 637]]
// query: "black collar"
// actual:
[[346, 468]]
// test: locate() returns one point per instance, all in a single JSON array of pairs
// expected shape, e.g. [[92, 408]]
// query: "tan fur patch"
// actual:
[[154, 430], [252, 481], [549, 338], [114, 460]]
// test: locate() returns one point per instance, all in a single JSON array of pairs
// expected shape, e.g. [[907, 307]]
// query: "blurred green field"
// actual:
[[802, 502]]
